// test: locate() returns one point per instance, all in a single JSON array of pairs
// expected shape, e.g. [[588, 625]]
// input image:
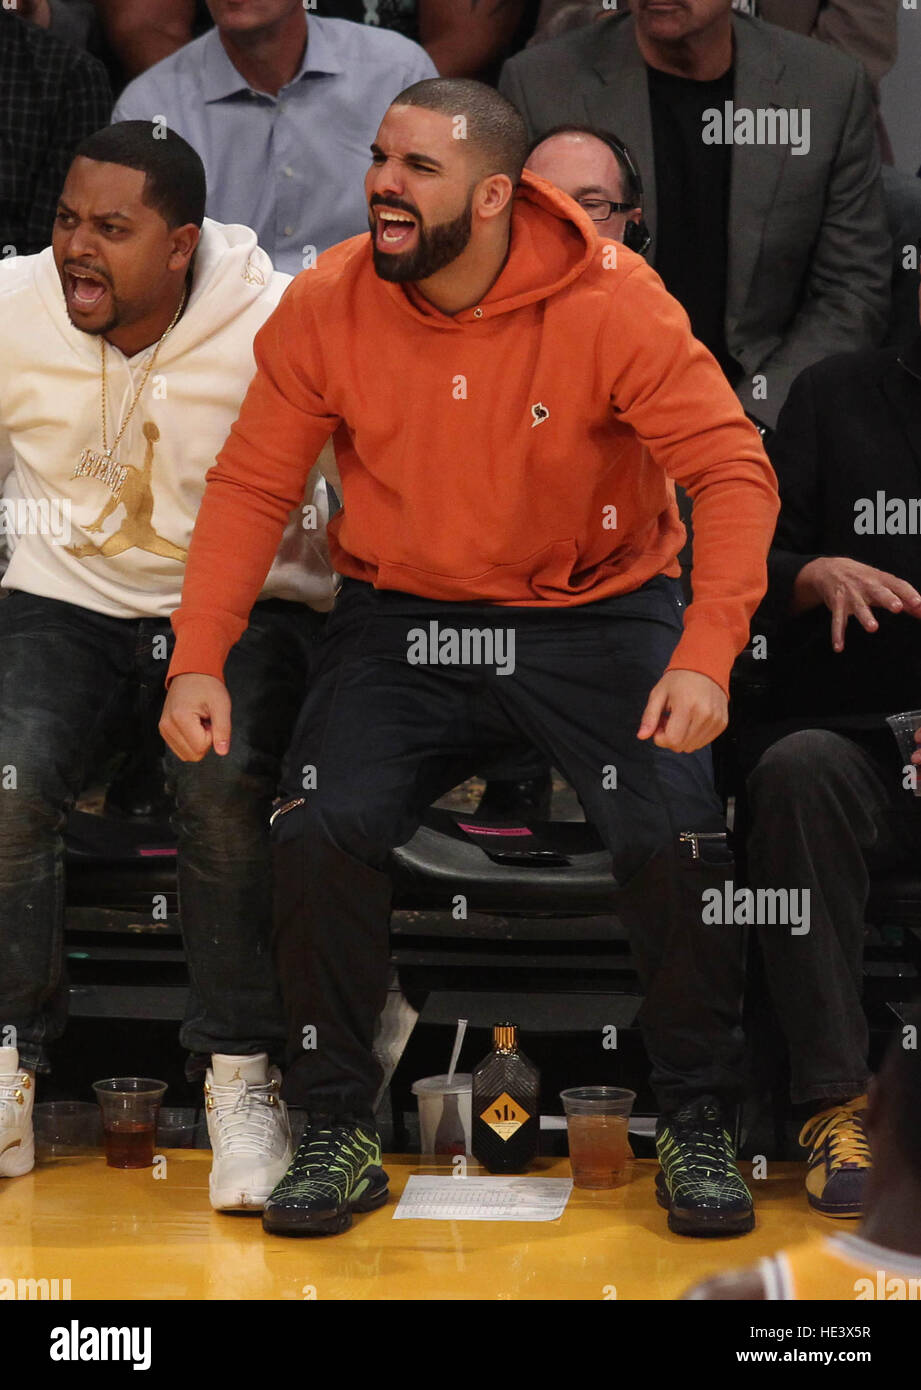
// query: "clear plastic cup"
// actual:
[[66, 1127], [905, 726], [176, 1125], [445, 1114], [597, 1118], [130, 1105]]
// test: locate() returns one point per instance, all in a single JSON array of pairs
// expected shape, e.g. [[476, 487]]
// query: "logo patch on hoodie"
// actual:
[[540, 413]]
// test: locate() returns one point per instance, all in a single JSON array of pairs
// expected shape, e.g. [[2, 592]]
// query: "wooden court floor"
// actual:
[[124, 1234]]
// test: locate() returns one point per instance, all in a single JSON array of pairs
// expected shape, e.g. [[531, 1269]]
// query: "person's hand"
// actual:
[[850, 589], [196, 717], [685, 711], [916, 756]]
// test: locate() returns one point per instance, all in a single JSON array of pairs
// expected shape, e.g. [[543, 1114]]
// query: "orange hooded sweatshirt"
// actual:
[[519, 452]]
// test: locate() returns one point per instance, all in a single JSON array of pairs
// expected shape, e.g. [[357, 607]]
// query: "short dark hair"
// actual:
[[620, 150], [494, 127], [175, 186]]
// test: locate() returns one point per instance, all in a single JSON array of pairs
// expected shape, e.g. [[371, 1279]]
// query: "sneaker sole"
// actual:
[[843, 1213], [713, 1223], [291, 1221], [238, 1201]]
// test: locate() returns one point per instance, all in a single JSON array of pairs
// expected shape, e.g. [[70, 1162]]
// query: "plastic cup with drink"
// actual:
[[597, 1118], [129, 1105], [905, 726]]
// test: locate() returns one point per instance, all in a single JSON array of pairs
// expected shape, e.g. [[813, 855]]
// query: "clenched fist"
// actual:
[[196, 717], [685, 711]]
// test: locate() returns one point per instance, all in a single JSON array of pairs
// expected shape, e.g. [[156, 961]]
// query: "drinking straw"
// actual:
[[458, 1042]]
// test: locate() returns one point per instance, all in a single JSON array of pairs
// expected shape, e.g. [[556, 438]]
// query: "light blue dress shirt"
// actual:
[[292, 167]]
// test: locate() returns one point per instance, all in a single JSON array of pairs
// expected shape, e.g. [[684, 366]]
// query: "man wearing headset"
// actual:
[[598, 171]]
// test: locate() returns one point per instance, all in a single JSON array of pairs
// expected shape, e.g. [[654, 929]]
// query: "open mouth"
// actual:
[[84, 289], [394, 230]]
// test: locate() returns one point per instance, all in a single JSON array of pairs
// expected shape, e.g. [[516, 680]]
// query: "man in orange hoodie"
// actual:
[[511, 400]]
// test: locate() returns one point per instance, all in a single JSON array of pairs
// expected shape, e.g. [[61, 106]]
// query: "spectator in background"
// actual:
[[829, 798], [52, 96], [556, 17], [597, 170], [283, 111], [144, 32], [866, 29], [463, 38], [72, 20], [126, 35], [777, 248]]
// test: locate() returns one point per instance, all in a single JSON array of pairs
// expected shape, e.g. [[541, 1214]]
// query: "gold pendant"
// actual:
[[103, 467]]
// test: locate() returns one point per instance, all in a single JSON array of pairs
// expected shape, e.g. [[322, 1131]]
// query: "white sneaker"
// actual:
[[17, 1094], [249, 1131]]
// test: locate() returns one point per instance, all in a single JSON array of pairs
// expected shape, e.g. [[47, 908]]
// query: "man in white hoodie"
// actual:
[[125, 351]]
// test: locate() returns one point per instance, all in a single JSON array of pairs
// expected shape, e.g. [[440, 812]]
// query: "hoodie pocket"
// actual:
[[544, 575]]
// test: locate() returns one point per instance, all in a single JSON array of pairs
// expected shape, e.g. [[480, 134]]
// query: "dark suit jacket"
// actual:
[[809, 255], [851, 428], [868, 29]]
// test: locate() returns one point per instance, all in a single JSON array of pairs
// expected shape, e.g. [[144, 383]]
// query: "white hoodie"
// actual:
[[56, 517]]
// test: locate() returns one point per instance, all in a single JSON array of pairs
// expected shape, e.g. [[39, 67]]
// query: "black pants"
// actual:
[[825, 814], [380, 738]]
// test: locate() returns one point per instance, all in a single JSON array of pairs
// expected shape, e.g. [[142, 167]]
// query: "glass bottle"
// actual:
[[506, 1109]]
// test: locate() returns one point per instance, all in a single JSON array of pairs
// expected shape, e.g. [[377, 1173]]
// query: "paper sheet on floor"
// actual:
[[483, 1199]]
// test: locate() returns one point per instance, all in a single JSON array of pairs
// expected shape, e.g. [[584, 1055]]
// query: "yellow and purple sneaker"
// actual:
[[839, 1159]]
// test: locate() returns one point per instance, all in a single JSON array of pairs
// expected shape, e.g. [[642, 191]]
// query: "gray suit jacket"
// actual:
[[809, 251], [867, 29]]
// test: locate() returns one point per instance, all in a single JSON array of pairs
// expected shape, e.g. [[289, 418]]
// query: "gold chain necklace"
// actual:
[[137, 395]]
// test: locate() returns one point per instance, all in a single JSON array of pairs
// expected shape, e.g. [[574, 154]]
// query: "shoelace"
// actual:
[[325, 1163], [9, 1085], [688, 1129], [331, 1139], [844, 1131], [247, 1119]]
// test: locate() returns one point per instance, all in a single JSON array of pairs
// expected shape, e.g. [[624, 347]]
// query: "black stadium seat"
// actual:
[[119, 865], [538, 869]]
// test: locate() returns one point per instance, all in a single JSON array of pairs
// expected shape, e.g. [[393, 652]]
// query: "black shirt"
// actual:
[[850, 430], [692, 204], [400, 15], [52, 96]]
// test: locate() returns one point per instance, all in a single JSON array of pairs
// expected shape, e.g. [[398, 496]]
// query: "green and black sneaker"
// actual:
[[699, 1182], [335, 1171]]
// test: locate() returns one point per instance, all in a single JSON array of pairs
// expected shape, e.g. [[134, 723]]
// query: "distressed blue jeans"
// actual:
[[63, 672]]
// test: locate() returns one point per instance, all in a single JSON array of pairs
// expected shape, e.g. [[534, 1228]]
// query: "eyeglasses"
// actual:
[[600, 209]]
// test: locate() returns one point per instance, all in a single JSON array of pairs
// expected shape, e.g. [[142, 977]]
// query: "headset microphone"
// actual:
[[637, 236]]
